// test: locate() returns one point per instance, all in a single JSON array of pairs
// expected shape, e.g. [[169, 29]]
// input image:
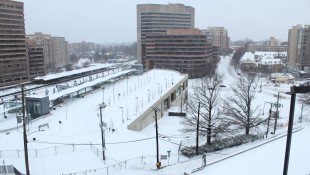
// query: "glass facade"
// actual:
[[34, 109]]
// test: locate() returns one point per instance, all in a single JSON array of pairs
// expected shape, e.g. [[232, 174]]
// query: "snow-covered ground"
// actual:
[[74, 146]]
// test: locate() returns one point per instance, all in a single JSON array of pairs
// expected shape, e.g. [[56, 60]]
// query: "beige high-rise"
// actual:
[[157, 18], [299, 46], [218, 36], [13, 55], [294, 44]]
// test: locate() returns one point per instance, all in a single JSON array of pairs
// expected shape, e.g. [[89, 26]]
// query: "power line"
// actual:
[[169, 141], [87, 144]]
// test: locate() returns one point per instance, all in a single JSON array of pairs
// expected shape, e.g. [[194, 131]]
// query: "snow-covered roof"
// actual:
[[282, 75], [260, 53], [88, 84], [269, 59], [248, 57], [73, 72]]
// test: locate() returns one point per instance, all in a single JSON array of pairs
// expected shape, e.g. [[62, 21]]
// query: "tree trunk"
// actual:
[[247, 130], [209, 135]]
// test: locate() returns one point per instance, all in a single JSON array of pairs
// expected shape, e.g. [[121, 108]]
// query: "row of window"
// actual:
[[13, 79], [177, 45], [23, 55], [176, 53], [145, 21], [178, 58], [164, 26], [158, 13], [10, 21], [11, 11], [183, 49], [176, 37]]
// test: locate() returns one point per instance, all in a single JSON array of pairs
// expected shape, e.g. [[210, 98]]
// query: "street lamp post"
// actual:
[[102, 131], [268, 117], [113, 94], [127, 83], [25, 132], [158, 88], [103, 94], [197, 131], [148, 97], [302, 108], [158, 163], [277, 113], [122, 114], [137, 105]]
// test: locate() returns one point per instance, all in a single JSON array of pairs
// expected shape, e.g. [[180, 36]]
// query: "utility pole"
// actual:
[[277, 114], [25, 132], [268, 120], [302, 108], [293, 92], [197, 132], [102, 131], [181, 104], [289, 134], [158, 163]]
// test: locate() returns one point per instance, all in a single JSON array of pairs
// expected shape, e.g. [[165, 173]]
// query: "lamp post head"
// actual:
[[102, 105]]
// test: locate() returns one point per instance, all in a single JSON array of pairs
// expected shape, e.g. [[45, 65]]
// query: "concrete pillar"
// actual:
[[169, 101]]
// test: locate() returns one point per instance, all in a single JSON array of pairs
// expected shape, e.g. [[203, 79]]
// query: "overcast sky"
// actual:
[[114, 21]]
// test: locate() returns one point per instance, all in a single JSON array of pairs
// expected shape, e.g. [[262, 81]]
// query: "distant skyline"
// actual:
[[116, 21]]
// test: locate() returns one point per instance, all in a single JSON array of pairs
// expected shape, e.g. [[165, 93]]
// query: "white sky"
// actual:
[[115, 21]]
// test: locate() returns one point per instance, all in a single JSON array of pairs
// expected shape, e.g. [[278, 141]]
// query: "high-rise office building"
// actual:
[[183, 50], [299, 46], [218, 36], [13, 54], [157, 18]]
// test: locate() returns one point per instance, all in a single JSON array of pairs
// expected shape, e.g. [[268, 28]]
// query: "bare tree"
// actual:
[[207, 94], [305, 100], [239, 108]]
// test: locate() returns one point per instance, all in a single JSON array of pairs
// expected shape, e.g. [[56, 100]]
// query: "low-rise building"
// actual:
[[260, 54], [282, 78], [269, 64], [247, 62]]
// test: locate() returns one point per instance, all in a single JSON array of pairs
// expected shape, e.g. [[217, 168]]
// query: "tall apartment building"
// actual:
[[305, 49], [157, 18], [184, 50], [13, 54], [218, 36], [299, 46], [56, 49], [294, 44], [36, 61], [273, 42], [58, 52]]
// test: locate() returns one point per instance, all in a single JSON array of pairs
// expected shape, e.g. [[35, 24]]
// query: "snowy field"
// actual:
[[74, 146]]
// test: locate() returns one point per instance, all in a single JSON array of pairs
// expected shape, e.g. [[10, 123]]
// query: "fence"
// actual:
[[145, 162]]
